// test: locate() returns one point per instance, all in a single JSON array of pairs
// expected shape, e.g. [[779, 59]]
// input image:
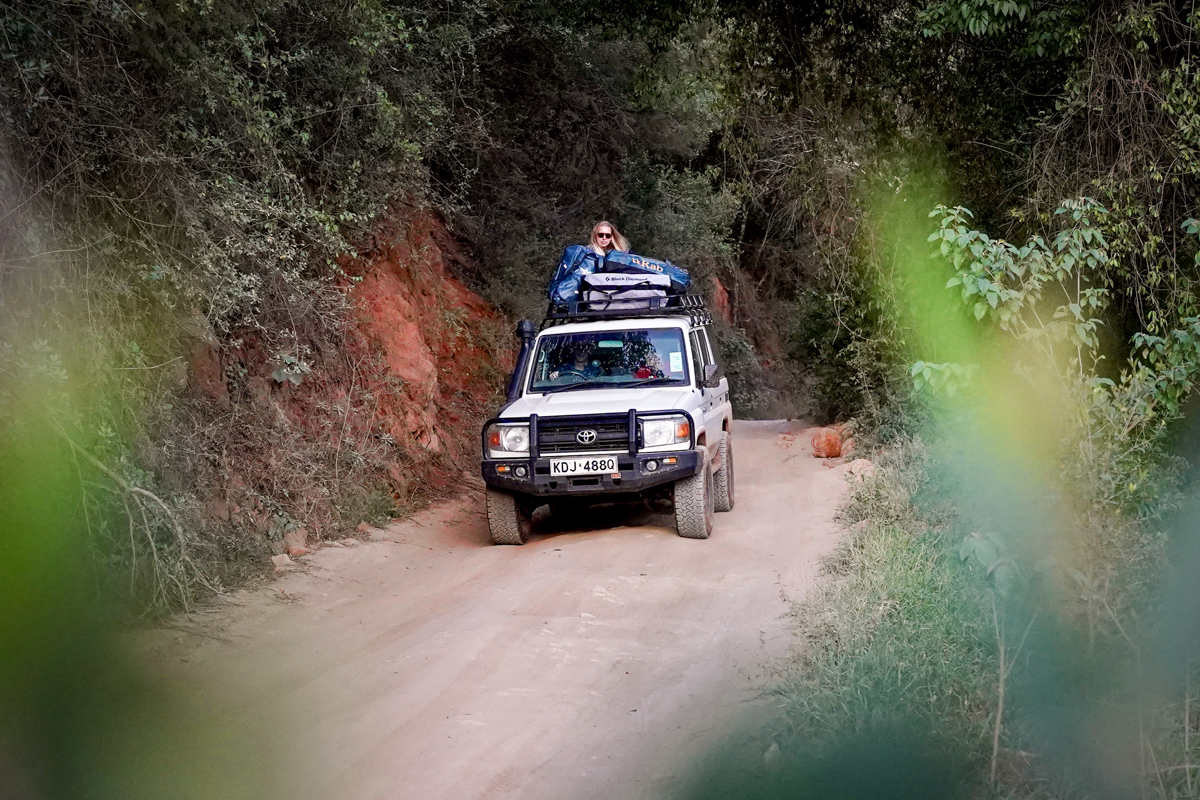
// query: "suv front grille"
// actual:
[[560, 435]]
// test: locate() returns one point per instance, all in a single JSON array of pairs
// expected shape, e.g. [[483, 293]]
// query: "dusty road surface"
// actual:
[[596, 661]]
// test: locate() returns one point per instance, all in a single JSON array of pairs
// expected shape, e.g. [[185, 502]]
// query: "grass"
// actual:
[[901, 652], [891, 688], [898, 633]]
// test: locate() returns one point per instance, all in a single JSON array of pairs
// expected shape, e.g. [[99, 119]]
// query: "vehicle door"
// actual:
[[714, 401], [722, 408]]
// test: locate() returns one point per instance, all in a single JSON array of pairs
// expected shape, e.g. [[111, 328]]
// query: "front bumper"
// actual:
[[634, 475]]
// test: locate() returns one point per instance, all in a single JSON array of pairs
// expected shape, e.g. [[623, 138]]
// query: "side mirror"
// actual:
[[712, 376]]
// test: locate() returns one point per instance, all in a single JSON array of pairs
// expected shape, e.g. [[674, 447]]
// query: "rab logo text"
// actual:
[[644, 264]]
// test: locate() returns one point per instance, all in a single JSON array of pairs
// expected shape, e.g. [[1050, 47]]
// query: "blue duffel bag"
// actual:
[[617, 261], [577, 260]]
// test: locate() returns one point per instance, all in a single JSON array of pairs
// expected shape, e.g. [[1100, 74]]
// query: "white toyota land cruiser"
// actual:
[[612, 405]]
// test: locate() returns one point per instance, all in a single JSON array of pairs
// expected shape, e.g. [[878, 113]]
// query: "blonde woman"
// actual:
[[606, 238]]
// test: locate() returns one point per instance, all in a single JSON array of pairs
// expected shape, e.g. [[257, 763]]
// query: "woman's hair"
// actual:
[[619, 242]]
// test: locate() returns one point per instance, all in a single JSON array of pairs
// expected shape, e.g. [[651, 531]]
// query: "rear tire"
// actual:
[[509, 517], [723, 478], [694, 505]]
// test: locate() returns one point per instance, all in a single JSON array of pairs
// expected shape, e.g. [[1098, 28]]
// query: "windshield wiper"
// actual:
[[570, 387], [605, 385], [645, 382]]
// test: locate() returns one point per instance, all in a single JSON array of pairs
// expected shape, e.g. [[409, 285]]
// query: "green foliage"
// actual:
[[1008, 283], [1041, 294], [224, 162], [753, 390], [839, 342], [1046, 29], [681, 216], [948, 377], [1076, 539], [978, 17], [1181, 101]]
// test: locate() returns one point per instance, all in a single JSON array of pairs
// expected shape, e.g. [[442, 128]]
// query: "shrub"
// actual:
[[1001, 578]]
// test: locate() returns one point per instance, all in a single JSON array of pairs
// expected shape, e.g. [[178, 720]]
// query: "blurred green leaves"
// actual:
[[81, 715], [948, 378]]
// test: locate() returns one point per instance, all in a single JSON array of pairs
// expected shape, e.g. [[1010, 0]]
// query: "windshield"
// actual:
[[610, 359]]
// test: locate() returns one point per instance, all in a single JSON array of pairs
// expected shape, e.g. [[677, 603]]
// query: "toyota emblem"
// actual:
[[586, 436]]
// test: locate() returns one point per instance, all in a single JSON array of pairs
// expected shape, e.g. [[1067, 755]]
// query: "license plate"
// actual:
[[583, 466]]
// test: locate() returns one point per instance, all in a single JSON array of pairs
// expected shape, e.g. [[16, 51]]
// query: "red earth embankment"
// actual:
[[448, 347], [316, 427]]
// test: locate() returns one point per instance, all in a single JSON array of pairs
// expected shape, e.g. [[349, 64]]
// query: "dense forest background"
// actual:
[[847, 176]]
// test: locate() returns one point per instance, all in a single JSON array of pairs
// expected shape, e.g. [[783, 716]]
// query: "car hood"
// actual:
[[596, 401]]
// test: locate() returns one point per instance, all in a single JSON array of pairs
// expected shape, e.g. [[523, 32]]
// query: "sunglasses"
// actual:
[[603, 235]]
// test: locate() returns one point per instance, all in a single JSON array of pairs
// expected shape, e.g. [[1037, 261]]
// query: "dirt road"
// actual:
[[593, 662]]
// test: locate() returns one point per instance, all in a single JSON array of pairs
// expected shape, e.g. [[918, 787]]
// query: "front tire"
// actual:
[[723, 478], [509, 517], [694, 505]]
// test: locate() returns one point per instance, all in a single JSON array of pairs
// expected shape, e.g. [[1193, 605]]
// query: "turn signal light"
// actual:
[[494, 439], [682, 430]]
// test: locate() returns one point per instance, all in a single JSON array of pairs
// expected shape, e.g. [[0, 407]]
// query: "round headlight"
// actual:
[[516, 439]]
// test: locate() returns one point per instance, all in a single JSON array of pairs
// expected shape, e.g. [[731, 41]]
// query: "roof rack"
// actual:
[[682, 305]]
